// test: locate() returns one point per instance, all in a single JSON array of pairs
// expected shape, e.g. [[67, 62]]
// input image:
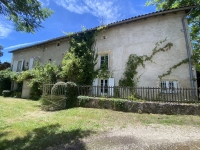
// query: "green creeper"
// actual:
[[193, 20]]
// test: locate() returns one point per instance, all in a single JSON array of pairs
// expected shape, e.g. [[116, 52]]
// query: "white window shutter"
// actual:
[[95, 84], [111, 83], [167, 84], [175, 84], [15, 66], [31, 63], [22, 65]]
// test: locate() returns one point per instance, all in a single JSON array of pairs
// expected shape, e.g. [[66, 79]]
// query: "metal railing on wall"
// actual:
[[180, 95]]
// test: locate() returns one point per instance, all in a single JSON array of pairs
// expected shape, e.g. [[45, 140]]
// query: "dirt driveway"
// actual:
[[143, 137]]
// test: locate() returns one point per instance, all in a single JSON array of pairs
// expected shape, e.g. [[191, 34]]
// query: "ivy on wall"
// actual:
[[173, 67], [103, 71], [79, 62], [134, 61]]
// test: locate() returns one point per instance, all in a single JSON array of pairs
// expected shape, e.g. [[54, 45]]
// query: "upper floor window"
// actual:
[[18, 65], [104, 61], [169, 86]]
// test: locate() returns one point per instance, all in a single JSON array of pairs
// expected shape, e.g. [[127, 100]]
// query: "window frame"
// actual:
[[168, 86], [101, 62], [16, 67]]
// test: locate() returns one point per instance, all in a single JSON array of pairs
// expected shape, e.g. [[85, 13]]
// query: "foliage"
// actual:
[[53, 102], [6, 93], [80, 60], [173, 67], [5, 81], [1, 53], [35, 91], [131, 70], [82, 100], [27, 15], [58, 88], [16, 94], [193, 20], [104, 72], [7, 73], [41, 73], [4, 65], [71, 94], [134, 61]]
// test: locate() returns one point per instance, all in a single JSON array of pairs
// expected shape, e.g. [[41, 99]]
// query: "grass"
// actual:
[[23, 125]]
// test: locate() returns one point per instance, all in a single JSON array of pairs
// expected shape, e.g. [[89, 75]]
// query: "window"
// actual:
[[18, 65], [104, 86], [168, 86], [104, 62]]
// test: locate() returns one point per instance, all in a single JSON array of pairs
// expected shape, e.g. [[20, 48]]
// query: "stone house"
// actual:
[[136, 35]]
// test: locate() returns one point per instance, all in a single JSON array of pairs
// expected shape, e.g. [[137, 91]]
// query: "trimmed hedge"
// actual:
[[68, 99], [53, 102], [71, 94], [6, 93]]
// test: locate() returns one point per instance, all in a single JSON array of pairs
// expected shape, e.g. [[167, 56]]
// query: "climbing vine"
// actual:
[[103, 71], [173, 67], [134, 61], [79, 62]]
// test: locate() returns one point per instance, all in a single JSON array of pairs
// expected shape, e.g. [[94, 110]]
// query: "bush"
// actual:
[[5, 84], [71, 94], [16, 94], [53, 102], [35, 92], [6, 93], [58, 88]]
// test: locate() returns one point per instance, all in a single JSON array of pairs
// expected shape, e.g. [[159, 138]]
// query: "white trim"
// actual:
[[169, 86], [95, 84], [14, 68], [111, 83], [31, 62]]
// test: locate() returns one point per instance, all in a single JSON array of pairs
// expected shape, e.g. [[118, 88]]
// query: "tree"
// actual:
[[1, 53], [4, 65], [193, 20], [27, 15], [79, 62]]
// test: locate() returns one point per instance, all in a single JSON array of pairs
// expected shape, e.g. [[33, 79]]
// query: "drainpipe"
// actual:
[[188, 49]]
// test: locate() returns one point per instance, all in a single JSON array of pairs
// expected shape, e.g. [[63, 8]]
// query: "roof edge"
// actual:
[[161, 12]]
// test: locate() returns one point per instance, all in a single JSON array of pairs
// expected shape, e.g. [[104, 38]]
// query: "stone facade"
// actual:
[[121, 39]]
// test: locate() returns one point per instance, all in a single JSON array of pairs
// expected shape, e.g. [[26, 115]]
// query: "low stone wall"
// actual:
[[140, 107]]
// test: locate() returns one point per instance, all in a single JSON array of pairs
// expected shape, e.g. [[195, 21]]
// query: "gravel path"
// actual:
[[149, 137]]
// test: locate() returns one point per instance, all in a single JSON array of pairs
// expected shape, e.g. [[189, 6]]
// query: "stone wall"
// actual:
[[140, 107]]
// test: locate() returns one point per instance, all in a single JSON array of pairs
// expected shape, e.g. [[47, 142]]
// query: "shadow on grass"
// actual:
[[49, 137]]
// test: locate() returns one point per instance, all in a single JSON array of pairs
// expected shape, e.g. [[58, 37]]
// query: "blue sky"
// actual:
[[70, 16]]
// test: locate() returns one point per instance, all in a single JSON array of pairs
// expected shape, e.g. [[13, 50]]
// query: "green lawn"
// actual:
[[23, 125]]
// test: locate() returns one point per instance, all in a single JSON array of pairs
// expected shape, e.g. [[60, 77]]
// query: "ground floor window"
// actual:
[[169, 86], [104, 86]]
